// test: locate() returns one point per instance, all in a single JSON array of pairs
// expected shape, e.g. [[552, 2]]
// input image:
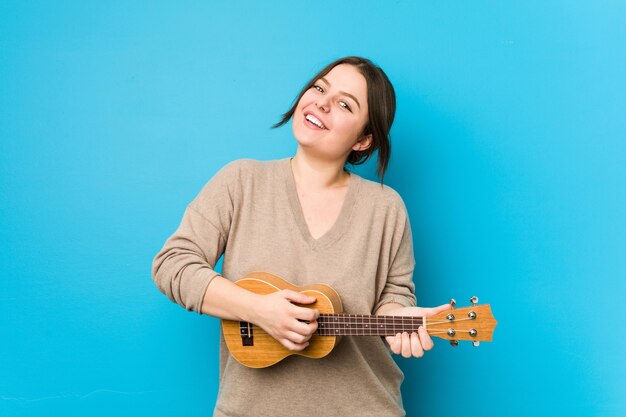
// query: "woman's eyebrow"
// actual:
[[343, 92]]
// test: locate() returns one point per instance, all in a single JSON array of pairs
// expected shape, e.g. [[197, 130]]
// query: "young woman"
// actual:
[[308, 220]]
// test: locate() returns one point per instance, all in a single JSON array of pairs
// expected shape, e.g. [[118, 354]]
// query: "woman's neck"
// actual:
[[313, 174]]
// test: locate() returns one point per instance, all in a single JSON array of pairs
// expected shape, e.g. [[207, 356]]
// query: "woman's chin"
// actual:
[[305, 140]]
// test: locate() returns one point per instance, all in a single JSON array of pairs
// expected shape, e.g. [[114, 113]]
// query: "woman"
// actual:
[[309, 220]]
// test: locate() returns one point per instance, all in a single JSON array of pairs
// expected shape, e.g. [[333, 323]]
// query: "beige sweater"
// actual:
[[250, 212]]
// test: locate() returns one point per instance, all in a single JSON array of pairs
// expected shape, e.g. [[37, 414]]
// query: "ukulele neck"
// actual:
[[366, 325]]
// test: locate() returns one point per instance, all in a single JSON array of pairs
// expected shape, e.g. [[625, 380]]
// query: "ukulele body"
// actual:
[[251, 346]]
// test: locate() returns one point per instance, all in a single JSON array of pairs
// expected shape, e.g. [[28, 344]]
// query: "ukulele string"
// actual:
[[396, 327], [429, 323], [263, 335]]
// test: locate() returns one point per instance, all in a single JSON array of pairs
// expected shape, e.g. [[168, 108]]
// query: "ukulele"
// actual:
[[251, 346]]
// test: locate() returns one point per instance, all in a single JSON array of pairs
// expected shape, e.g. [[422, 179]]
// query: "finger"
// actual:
[[313, 326], [416, 346], [435, 310], [395, 343], [425, 339], [310, 328], [406, 345], [305, 313], [390, 341], [298, 297], [294, 347], [301, 327], [297, 338]]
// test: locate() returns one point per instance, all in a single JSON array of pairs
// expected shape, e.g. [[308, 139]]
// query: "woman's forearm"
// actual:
[[388, 307], [225, 300]]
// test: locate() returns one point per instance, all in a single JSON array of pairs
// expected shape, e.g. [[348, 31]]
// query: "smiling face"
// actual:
[[331, 116]]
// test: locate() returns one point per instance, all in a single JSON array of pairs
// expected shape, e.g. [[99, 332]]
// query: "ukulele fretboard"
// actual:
[[366, 325]]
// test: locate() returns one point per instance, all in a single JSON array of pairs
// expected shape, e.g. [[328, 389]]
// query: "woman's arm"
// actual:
[[273, 312], [388, 307], [184, 269]]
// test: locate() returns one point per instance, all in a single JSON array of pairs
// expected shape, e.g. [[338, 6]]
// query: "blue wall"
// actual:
[[509, 150]]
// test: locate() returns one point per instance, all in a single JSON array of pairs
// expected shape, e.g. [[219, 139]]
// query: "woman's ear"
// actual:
[[364, 143]]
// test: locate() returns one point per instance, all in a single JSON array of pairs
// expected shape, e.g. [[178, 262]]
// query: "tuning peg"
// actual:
[[454, 342], [474, 300], [475, 343], [452, 302]]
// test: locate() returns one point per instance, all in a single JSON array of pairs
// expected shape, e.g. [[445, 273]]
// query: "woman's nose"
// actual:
[[322, 103]]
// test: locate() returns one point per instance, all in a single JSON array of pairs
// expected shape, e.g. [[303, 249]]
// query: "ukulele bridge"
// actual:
[[245, 329]]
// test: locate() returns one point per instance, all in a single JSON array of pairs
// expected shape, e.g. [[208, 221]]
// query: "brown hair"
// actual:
[[381, 100]]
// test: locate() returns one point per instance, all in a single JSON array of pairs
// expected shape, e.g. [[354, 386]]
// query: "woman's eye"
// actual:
[[344, 105], [318, 88]]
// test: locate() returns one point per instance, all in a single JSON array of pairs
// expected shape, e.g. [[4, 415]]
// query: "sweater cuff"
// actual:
[[198, 285]]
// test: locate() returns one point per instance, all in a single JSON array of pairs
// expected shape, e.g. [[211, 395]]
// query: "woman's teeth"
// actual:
[[315, 121]]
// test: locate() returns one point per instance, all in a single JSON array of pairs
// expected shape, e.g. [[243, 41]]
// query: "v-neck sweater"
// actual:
[[341, 223], [250, 213]]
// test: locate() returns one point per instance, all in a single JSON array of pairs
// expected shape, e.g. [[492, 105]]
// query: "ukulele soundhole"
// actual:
[[247, 338]]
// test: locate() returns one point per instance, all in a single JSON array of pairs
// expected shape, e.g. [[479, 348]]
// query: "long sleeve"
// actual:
[[184, 267], [399, 287]]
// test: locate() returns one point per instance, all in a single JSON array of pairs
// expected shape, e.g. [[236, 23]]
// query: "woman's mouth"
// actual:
[[314, 121]]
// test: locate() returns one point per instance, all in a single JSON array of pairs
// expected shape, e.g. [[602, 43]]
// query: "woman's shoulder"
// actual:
[[234, 178], [382, 195], [248, 167], [242, 164]]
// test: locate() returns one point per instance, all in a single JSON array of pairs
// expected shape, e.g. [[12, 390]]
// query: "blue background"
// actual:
[[508, 149]]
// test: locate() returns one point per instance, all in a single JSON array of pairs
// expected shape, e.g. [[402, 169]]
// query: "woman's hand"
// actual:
[[285, 321], [414, 344]]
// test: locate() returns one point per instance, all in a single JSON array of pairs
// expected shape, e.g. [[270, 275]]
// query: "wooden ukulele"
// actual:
[[251, 346]]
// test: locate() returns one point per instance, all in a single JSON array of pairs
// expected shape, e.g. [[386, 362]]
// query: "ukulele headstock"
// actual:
[[474, 323]]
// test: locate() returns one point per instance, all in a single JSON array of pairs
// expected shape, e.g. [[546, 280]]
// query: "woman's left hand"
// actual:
[[416, 343]]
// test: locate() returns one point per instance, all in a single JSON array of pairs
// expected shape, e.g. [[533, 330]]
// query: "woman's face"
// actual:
[[330, 117]]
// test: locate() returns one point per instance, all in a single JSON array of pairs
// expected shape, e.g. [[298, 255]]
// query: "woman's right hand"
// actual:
[[285, 321]]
